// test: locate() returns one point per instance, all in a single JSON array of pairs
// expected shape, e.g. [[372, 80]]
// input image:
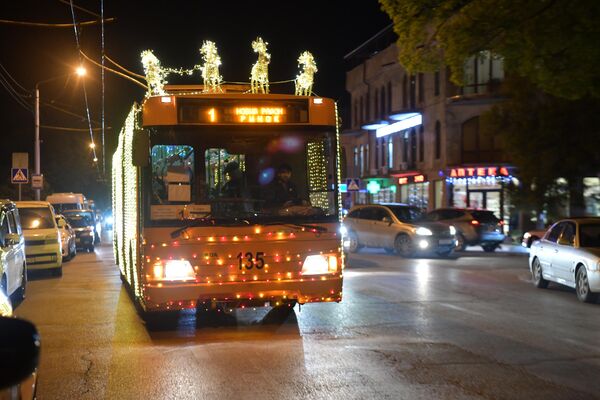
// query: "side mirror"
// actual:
[[141, 148], [564, 242], [20, 350], [387, 220], [11, 239]]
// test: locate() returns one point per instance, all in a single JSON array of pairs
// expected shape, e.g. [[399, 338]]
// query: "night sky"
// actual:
[[175, 30]]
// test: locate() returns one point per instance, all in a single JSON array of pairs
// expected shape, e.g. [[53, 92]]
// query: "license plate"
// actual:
[[41, 259], [445, 241]]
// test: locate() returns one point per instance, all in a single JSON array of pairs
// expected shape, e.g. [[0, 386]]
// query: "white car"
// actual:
[[42, 239], [569, 254], [13, 268], [67, 238]]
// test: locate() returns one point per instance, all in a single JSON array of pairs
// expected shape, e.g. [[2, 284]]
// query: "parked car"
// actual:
[[68, 238], [396, 228], [569, 254], [531, 236], [84, 225], [19, 355], [42, 238], [473, 227], [13, 268]]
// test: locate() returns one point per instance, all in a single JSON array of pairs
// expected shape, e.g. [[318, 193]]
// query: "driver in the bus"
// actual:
[[282, 192]]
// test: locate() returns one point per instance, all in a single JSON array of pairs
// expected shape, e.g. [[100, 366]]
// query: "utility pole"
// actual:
[[37, 137]]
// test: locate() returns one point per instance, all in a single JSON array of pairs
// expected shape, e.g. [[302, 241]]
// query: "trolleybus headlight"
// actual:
[[319, 264], [174, 270]]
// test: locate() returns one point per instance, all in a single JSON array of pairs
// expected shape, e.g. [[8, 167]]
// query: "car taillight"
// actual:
[[474, 222]]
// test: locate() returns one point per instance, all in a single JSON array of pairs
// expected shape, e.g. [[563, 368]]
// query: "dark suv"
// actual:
[[473, 227], [83, 223]]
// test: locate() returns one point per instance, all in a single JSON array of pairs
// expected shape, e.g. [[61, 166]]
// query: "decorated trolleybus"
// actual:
[[228, 199]]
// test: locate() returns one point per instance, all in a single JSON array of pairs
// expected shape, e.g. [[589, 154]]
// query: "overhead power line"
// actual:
[[80, 8], [14, 80], [19, 98], [50, 25], [68, 129], [113, 71]]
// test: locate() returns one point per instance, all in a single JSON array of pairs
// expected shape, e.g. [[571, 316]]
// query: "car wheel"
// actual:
[[582, 287], [536, 274], [445, 253], [353, 245], [489, 248], [404, 245], [461, 243], [57, 271]]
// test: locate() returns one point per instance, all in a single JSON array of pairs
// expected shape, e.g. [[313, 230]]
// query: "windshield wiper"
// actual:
[[209, 222], [317, 228]]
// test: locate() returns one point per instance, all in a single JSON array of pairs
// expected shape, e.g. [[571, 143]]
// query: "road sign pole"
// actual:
[[19, 191]]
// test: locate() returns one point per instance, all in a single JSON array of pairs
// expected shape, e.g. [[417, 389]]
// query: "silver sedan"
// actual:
[[569, 254]]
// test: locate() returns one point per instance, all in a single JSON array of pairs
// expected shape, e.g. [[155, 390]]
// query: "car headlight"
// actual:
[[527, 235], [421, 231], [343, 230], [173, 270], [319, 264], [452, 230]]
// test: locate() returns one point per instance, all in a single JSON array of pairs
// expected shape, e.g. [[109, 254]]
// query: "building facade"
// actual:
[[416, 138]]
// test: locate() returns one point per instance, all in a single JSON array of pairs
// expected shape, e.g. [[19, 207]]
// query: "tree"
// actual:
[[547, 137], [552, 43]]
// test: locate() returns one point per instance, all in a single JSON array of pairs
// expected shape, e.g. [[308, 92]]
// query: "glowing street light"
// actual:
[[80, 71], [92, 145]]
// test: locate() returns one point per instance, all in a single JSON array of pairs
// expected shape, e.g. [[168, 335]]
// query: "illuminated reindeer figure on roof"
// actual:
[[155, 74], [210, 69], [259, 77], [304, 81]]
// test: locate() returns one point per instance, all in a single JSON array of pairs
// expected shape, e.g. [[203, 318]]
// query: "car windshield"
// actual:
[[407, 214], [36, 218], [80, 219], [484, 216], [589, 235]]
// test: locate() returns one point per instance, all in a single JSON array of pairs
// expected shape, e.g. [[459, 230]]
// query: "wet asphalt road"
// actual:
[[466, 328]]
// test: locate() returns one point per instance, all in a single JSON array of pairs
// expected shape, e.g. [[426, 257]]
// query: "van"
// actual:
[[67, 201], [13, 268], [42, 238]]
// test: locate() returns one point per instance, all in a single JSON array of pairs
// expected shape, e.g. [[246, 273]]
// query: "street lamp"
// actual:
[[79, 71]]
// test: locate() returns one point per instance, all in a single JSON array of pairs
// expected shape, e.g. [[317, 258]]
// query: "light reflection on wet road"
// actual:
[[472, 327]]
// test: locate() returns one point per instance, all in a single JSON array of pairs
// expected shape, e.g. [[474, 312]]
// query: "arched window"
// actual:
[[421, 144], [389, 98], [376, 110], [382, 104], [405, 92], [438, 140]]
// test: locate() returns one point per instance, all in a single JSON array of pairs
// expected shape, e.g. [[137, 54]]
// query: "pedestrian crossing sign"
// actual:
[[353, 184], [19, 175]]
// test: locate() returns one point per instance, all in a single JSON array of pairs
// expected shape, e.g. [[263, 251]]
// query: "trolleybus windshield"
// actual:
[[240, 175]]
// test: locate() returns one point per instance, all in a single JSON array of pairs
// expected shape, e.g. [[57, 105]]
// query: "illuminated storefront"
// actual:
[[481, 186], [414, 189]]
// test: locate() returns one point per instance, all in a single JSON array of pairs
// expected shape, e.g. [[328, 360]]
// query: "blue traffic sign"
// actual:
[[19, 175]]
